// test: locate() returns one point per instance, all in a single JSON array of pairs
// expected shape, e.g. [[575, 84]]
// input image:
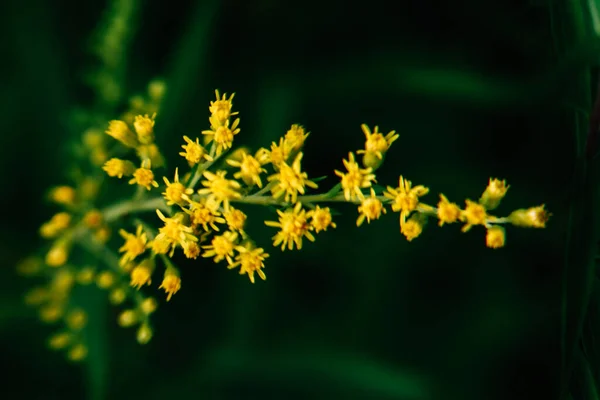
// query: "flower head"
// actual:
[[294, 226], [250, 260], [135, 245], [222, 135], [447, 212], [355, 179], [376, 143], [220, 189], [171, 283], [493, 194], [290, 180], [194, 152], [142, 273], [144, 176], [250, 170], [473, 214], [144, 127], [175, 190], [371, 208], [121, 132], [534, 217], [295, 137], [405, 197], [495, 237], [321, 219], [221, 247], [220, 109], [119, 168]]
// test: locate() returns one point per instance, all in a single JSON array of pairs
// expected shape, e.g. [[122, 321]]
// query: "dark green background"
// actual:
[[474, 88]]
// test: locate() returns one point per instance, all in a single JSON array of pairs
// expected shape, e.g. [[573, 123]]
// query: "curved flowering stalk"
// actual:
[[196, 213]]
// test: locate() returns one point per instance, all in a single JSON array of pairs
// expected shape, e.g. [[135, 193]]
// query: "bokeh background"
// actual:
[[474, 88]]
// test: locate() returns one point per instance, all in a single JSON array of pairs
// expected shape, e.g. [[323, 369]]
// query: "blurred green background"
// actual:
[[474, 88]]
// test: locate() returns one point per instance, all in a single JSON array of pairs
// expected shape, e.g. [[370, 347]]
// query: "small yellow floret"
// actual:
[[194, 152], [116, 167], [495, 237], [294, 226], [250, 260], [473, 214], [493, 194], [290, 180], [135, 244], [171, 283], [447, 212], [295, 137], [220, 189], [144, 176], [371, 208], [77, 352], [144, 127], [321, 219], [144, 333], [175, 190], [121, 132], [221, 247], [412, 228], [142, 273], [76, 319], [534, 217], [64, 195], [355, 179]]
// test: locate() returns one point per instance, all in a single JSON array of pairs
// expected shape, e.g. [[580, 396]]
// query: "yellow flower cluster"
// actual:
[[198, 212]]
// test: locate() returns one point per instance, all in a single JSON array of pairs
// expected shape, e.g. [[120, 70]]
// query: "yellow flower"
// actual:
[[174, 233], [295, 137], [495, 237], [220, 189], [293, 226], [119, 168], [64, 195], [76, 319], [250, 170], [121, 132], [235, 219], [493, 194], [376, 143], [191, 250], [148, 305], [279, 153], [473, 214], [371, 208], [57, 224], [221, 247], [77, 352], [171, 283], [223, 135], [201, 215], [194, 152], [105, 279], [144, 333], [175, 190], [142, 273], [144, 176], [412, 228], [58, 254], [134, 246], [144, 127], [405, 197], [290, 180], [60, 340], [355, 179], [92, 218], [321, 219], [534, 217], [220, 109], [250, 260], [447, 212]]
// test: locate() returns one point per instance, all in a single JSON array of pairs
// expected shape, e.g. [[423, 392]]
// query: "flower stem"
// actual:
[[118, 210]]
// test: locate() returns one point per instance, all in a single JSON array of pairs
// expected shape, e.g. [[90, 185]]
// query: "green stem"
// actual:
[[118, 210]]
